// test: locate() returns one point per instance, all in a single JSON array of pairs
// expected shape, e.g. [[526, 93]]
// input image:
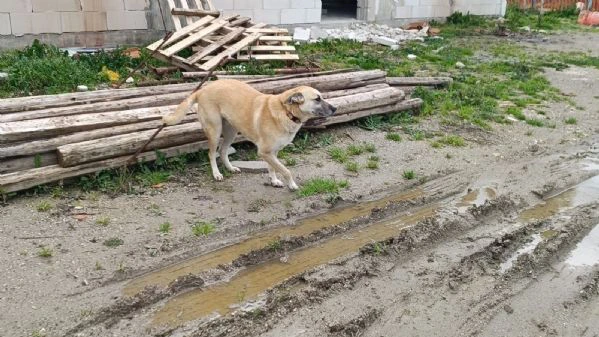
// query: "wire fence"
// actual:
[[551, 4]]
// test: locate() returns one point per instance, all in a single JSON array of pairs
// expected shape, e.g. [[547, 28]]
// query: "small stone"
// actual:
[[512, 119], [130, 80], [508, 309], [525, 28], [395, 47], [251, 166], [460, 65], [3, 76], [301, 34], [385, 41], [85, 282], [412, 57], [82, 88]]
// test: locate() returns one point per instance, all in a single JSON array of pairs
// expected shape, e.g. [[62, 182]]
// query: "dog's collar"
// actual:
[[293, 118]]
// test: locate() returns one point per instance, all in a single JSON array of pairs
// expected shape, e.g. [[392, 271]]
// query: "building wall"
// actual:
[[91, 23]]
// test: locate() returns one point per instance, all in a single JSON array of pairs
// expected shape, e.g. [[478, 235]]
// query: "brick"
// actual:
[[292, 16], [56, 5], [15, 6], [302, 4], [313, 15], [122, 20], [223, 4], [247, 4], [442, 11], [301, 34], [423, 12], [403, 12], [72, 22], [95, 21], [277, 4], [5, 24], [386, 41], [270, 16], [102, 5], [136, 5], [35, 23]]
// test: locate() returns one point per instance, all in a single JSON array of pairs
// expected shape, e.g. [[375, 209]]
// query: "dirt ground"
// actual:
[[497, 238]]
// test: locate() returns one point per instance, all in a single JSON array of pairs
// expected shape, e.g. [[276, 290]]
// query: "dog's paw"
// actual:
[[218, 177], [277, 183], [235, 169], [293, 186]]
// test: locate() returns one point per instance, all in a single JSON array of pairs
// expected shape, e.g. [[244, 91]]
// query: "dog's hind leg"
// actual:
[[212, 125], [229, 133]]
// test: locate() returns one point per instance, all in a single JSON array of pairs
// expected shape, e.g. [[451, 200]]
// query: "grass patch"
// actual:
[[202, 228], [369, 147], [43, 206], [571, 121], [45, 252], [317, 186], [535, 122], [165, 228], [516, 112], [113, 242], [352, 166], [393, 137], [409, 175], [452, 140], [355, 150], [372, 165], [274, 245], [103, 221], [339, 155]]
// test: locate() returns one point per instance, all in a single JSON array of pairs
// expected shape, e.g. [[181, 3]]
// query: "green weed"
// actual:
[[113, 242], [338, 154], [355, 150], [535, 122], [103, 221], [44, 206], [372, 165], [409, 175], [165, 228], [321, 186], [352, 166], [45, 252], [453, 140], [393, 136], [202, 228], [571, 121]]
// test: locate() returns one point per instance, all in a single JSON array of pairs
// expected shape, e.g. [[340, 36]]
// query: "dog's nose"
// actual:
[[333, 109]]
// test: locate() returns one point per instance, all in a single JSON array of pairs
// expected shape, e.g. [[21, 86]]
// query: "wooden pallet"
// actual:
[[213, 38]]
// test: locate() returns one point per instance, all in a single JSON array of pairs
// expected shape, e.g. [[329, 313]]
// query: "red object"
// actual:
[[588, 18]]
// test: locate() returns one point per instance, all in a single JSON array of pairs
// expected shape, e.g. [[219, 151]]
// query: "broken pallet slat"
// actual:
[[182, 32], [228, 52], [277, 38], [267, 30], [269, 57], [193, 38], [216, 46], [269, 48], [193, 12]]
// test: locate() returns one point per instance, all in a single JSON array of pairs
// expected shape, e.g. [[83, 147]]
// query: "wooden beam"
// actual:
[[419, 81], [228, 52], [194, 12]]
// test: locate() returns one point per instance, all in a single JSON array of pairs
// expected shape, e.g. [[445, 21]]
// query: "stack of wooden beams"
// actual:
[[215, 40], [47, 139]]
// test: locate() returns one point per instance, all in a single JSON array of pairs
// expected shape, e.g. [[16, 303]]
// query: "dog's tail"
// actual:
[[181, 111]]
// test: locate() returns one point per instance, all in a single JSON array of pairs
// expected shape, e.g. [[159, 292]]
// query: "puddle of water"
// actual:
[[253, 281], [227, 254], [526, 249], [586, 252], [581, 194], [477, 198]]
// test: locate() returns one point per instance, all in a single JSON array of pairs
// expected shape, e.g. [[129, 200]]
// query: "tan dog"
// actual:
[[269, 121]]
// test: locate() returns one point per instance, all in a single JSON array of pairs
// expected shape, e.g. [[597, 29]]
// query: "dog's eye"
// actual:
[[318, 99]]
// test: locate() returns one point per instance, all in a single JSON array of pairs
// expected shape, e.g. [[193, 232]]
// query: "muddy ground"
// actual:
[[497, 238]]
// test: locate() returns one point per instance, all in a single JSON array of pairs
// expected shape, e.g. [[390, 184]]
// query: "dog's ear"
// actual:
[[297, 98]]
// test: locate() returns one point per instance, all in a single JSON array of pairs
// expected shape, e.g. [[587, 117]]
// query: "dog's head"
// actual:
[[309, 101]]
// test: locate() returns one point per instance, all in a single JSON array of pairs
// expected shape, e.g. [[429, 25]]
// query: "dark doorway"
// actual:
[[339, 9]]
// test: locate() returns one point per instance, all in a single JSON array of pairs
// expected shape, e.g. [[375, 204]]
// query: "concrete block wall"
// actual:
[[22, 17], [276, 12]]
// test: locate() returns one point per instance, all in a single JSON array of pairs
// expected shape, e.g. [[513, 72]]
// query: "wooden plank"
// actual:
[[110, 147], [216, 46], [240, 21], [193, 38], [419, 81], [277, 38], [182, 32], [267, 30], [268, 57], [193, 12], [228, 52], [269, 48], [176, 20], [28, 162]]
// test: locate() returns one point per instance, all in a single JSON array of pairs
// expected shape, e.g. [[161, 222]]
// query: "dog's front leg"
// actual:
[[274, 181], [274, 166]]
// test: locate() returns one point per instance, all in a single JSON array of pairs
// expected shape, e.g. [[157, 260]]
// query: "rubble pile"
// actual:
[[383, 34]]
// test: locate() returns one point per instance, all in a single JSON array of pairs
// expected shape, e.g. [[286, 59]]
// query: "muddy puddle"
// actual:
[[258, 241], [586, 252], [255, 280], [476, 198], [581, 194]]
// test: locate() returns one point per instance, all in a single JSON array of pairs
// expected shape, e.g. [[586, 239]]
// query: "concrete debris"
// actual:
[[412, 57], [251, 166], [82, 88], [3, 76], [383, 34], [301, 34], [130, 80], [460, 65]]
